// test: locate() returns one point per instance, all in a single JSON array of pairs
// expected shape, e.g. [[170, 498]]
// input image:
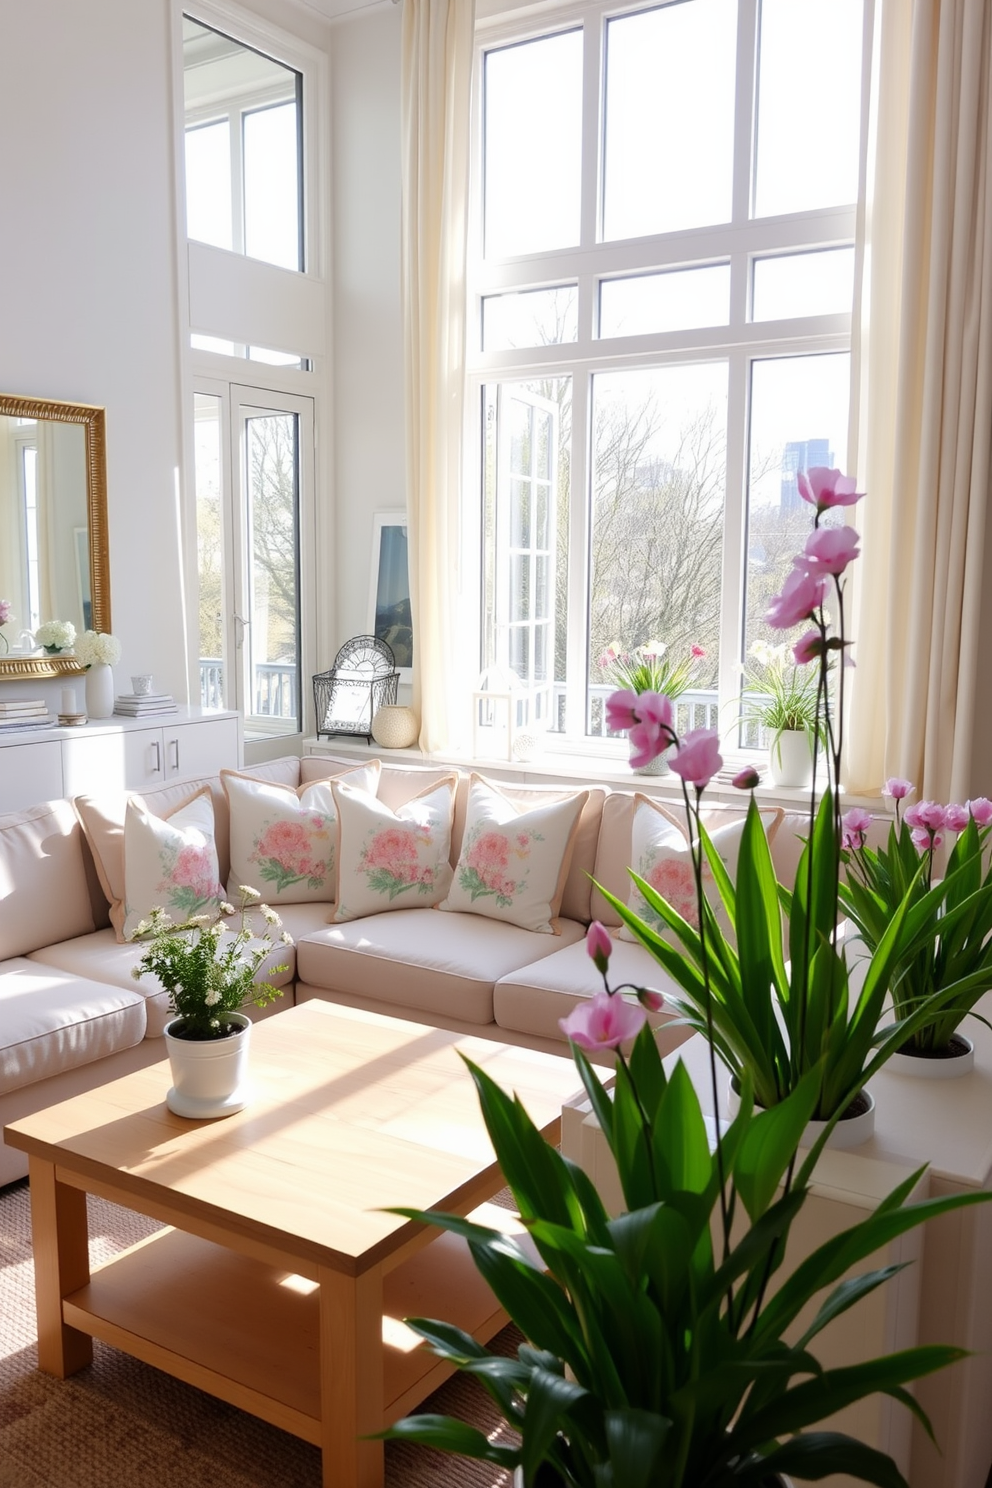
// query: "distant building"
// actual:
[[800, 454]]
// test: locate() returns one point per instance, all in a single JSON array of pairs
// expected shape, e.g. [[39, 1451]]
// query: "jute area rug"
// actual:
[[123, 1424]]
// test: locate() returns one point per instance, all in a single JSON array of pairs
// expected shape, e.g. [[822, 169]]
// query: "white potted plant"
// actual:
[[209, 977], [98, 652], [782, 698], [647, 668]]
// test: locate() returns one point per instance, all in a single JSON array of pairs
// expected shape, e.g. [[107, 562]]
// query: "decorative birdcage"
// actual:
[[362, 679]]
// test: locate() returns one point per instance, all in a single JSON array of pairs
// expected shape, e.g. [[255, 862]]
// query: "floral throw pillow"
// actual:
[[392, 859], [283, 841], [169, 862], [659, 853], [513, 863]]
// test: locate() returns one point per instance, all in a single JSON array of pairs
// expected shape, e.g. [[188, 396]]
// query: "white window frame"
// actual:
[[739, 343]]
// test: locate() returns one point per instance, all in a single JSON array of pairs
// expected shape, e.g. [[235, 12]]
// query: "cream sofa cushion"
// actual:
[[423, 959], [532, 999], [50, 1021], [392, 859], [45, 891]]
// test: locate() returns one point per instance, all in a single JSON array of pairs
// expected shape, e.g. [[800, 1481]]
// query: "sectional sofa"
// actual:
[[72, 1016]]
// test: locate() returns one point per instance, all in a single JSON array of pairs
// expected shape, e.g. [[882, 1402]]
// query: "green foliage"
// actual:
[[206, 983], [654, 1355], [646, 669], [944, 963], [772, 1020], [782, 698]]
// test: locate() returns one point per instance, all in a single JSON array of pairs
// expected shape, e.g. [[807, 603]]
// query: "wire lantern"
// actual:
[[362, 679]]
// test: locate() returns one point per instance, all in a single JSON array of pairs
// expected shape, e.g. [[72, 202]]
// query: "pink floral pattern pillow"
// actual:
[[392, 859], [659, 853], [283, 841], [513, 863], [170, 862]]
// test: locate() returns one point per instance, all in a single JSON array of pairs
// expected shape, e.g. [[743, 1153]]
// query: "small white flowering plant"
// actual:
[[98, 646], [55, 635], [207, 977]]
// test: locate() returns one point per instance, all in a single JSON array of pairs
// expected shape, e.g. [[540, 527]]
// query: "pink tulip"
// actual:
[[855, 824], [981, 810], [898, 788], [696, 651], [925, 840], [698, 757], [747, 778], [621, 711], [808, 647], [802, 593], [653, 1001], [929, 814], [822, 488], [599, 946], [6, 611], [653, 732], [957, 818], [604, 1022], [831, 549]]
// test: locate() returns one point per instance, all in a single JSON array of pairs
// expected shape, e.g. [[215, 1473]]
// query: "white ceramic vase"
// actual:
[[100, 690], [210, 1076], [395, 726], [935, 1067], [850, 1131], [790, 760]]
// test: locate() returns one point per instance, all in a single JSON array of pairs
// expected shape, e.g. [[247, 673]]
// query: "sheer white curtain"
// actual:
[[435, 97], [925, 417]]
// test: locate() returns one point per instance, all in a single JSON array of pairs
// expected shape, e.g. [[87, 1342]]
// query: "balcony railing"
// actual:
[[275, 694]]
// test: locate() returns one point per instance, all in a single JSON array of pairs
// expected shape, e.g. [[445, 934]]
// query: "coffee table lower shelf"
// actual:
[[248, 1332]]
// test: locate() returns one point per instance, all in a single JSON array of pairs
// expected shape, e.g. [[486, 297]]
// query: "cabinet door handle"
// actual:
[[157, 767], [174, 747]]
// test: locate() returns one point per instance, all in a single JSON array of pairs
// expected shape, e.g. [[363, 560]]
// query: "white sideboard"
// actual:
[[116, 753]]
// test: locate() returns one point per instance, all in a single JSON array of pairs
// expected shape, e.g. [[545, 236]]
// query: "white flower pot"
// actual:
[[936, 1066], [790, 759], [210, 1076], [100, 690], [849, 1132], [658, 766]]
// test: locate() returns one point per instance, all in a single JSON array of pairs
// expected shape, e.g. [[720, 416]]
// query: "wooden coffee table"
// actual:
[[281, 1284]]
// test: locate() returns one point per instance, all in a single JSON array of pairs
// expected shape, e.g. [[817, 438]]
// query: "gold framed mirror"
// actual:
[[54, 544]]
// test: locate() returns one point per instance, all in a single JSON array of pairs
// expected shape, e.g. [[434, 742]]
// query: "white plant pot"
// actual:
[[658, 766], [790, 759], [210, 1076], [850, 1131], [935, 1067], [100, 690]]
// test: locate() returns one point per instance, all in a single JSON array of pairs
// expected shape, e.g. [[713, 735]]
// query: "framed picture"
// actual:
[[389, 591]]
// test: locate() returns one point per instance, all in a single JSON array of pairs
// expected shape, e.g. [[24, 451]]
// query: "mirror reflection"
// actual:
[[44, 528]]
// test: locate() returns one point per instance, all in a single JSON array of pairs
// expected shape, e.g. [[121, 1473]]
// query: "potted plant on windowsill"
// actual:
[[948, 943], [209, 974], [781, 698], [656, 1353], [648, 669]]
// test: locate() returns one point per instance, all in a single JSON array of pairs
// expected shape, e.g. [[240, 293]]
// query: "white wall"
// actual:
[[88, 312]]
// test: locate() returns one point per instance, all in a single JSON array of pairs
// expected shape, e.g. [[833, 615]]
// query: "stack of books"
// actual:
[[144, 704], [25, 713]]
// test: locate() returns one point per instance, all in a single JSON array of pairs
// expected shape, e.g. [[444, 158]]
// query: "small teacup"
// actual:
[[142, 685]]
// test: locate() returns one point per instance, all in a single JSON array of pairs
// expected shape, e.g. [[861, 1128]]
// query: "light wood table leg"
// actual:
[[60, 1240], [351, 1378]]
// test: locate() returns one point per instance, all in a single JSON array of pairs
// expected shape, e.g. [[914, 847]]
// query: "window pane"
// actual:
[[209, 548], [272, 499], [799, 410], [677, 301], [669, 118], [803, 284], [272, 214], [808, 153], [538, 317], [659, 460], [208, 184], [532, 119]]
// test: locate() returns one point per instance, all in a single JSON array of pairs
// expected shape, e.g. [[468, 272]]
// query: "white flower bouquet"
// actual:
[[55, 635], [97, 646]]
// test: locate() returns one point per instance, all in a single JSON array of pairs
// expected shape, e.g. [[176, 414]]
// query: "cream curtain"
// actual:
[[925, 366], [435, 100]]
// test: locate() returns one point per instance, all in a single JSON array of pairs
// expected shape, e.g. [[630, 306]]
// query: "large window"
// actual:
[[662, 276]]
